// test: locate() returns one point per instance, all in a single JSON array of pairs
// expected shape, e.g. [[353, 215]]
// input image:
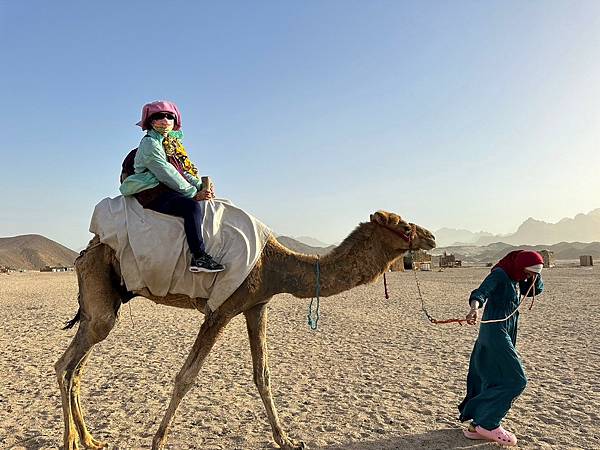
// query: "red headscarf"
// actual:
[[515, 262]]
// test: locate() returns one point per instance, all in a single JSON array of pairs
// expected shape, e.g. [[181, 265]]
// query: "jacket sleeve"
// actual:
[[526, 284], [155, 160], [483, 292], [196, 182]]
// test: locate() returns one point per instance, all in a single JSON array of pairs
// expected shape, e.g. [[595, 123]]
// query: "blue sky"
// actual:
[[310, 115]]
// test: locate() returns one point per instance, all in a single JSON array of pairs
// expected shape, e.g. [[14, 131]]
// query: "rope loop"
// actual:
[[313, 317], [460, 321]]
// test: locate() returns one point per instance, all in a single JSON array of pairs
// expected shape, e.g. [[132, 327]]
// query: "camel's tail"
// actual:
[[71, 323]]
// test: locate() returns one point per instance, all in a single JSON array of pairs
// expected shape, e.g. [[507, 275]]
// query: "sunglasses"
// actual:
[[162, 115]]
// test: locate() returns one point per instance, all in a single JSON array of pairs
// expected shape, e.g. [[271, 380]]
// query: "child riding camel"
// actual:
[[166, 181]]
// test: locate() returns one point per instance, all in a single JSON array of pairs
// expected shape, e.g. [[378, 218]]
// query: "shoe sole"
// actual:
[[201, 269], [473, 435], [495, 437]]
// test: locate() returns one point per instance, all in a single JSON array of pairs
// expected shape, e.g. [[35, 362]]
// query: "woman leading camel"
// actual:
[[166, 181], [496, 376]]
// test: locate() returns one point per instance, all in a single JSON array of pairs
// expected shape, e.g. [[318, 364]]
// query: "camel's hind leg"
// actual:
[[210, 330], [68, 370], [99, 303], [256, 322], [86, 438]]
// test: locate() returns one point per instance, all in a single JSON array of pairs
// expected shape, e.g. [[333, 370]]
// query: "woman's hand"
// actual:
[[204, 194], [473, 315]]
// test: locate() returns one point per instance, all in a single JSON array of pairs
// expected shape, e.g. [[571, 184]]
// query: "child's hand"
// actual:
[[204, 194]]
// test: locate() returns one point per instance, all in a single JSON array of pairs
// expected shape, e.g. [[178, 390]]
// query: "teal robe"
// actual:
[[496, 376]]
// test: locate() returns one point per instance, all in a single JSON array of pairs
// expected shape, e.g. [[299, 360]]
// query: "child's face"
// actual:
[[164, 124]]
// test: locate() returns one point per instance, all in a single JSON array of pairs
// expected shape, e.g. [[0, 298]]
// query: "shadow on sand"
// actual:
[[448, 438]]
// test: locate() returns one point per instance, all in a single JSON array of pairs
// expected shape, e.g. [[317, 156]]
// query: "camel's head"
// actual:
[[402, 235]]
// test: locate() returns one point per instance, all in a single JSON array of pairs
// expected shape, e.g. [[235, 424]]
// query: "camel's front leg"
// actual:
[[207, 336], [256, 322]]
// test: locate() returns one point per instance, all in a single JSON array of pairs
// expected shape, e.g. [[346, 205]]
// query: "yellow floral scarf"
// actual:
[[175, 149]]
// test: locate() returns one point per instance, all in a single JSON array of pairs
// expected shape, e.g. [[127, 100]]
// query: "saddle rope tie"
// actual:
[[313, 318]]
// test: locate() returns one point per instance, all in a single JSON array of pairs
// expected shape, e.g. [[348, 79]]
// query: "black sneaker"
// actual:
[[205, 263]]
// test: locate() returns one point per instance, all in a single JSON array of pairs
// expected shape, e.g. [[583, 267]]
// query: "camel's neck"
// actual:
[[360, 259]]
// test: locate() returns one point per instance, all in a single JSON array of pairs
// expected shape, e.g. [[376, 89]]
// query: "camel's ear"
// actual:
[[385, 218], [378, 217]]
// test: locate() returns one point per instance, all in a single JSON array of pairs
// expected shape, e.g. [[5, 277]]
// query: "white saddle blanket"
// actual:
[[153, 252]]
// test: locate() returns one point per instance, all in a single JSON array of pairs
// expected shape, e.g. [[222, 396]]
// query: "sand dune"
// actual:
[[375, 375]]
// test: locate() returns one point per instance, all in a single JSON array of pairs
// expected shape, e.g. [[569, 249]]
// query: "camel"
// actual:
[[361, 258]]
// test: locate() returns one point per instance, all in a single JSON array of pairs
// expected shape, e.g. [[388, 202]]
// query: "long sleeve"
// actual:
[[483, 292], [152, 156], [526, 284], [196, 182]]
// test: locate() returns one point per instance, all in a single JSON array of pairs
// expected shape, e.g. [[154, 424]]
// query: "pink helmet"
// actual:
[[156, 107]]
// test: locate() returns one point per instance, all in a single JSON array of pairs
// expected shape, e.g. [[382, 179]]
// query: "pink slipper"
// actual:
[[499, 435], [470, 433]]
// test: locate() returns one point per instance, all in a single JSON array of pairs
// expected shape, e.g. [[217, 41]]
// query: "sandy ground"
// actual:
[[376, 374]]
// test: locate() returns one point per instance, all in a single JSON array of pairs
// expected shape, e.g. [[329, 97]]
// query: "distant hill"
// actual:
[[452, 236], [581, 228], [493, 252], [32, 251], [311, 241], [300, 247]]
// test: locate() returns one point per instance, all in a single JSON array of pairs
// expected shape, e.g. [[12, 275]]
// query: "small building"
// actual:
[[55, 269], [424, 266], [412, 260], [549, 260], [586, 260], [449, 260], [3, 269]]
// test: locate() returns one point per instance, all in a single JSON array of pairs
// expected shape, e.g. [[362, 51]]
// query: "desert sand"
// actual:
[[376, 374]]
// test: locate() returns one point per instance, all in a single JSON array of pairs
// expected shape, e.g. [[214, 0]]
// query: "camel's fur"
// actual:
[[363, 256]]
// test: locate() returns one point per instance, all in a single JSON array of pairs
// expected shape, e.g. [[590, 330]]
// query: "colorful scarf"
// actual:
[[177, 155]]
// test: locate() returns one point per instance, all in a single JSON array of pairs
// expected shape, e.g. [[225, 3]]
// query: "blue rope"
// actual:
[[313, 321]]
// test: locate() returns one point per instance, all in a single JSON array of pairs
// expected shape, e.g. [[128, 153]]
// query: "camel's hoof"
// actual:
[[71, 445], [93, 444], [294, 445], [158, 443]]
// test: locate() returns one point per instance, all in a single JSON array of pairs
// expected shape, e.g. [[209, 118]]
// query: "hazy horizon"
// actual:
[[305, 236], [311, 115]]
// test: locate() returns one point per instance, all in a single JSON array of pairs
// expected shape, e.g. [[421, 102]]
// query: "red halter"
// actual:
[[406, 237]]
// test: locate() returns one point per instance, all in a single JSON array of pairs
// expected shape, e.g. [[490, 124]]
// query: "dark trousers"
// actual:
[[175, 204]]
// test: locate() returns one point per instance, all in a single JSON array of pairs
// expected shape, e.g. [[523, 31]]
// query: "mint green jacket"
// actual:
[[152, 167]]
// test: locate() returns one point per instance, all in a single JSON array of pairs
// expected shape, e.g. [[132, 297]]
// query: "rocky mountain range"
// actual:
[[568, 239], [493, 252], [581, 228]]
